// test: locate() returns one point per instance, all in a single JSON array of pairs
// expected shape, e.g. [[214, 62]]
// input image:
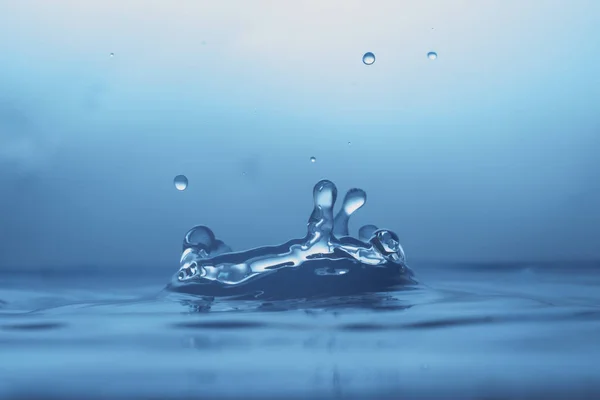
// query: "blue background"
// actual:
[[489, 153]]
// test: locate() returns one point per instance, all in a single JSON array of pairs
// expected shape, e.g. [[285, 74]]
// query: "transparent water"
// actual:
[[516, 331]]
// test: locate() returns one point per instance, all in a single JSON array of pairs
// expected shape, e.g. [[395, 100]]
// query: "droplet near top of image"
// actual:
[[181, 182], [432, 55], [368, 58], [313, 159]]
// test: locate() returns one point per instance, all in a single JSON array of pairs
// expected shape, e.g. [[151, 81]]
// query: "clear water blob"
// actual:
[[432, 55], [199, 236], [365, 233], [354, 199], [112, 54], [388, 244], [349, 143], [313, 159], [180, 182], [320, 223], [368, 58], [228, 273]]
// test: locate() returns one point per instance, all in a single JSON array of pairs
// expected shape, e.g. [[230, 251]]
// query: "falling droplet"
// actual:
[[313, 159], [181, 182], [355, 199], [349, 143], [432, 55], [365, 233], [368, 58], [112, 54]]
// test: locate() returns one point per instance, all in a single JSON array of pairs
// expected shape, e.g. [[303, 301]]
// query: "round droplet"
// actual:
[[313, 159], [368, 58], [432, 55], [181, 182], [112, 54], [349, 143]]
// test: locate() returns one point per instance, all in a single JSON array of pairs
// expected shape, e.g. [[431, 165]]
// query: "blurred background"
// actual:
[[488, 153]]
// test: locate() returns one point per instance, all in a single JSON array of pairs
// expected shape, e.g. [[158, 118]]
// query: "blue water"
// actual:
[[516, 331], [472, 125]]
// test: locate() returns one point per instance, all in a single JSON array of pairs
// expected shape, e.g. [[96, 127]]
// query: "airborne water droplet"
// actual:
[[313, 159], [432, 55], [368, 58], [112, 54], [181, 182]]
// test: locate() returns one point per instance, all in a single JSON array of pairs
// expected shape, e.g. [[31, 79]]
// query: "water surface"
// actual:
[[516, 331]]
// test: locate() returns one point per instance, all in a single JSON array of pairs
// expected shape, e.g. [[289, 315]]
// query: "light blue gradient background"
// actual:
[[489, 153]]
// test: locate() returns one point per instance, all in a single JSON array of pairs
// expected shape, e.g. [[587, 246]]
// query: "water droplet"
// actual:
[[387, 240], [388, 244], [349, 143], [112, 54], [354, 199], [313, 159], [181, 182], [432, 55], [368, 58], [320, 223], [199, 236], [325, 194]]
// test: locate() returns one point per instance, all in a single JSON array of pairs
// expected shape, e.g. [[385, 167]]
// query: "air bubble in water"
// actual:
[[368, 58], [181, 182], [432, 55], [313, 159]]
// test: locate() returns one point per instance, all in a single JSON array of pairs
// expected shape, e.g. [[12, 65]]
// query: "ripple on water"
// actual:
[[33, 326]]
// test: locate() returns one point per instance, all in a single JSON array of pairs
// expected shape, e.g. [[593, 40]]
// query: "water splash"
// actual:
[[299, 267]]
